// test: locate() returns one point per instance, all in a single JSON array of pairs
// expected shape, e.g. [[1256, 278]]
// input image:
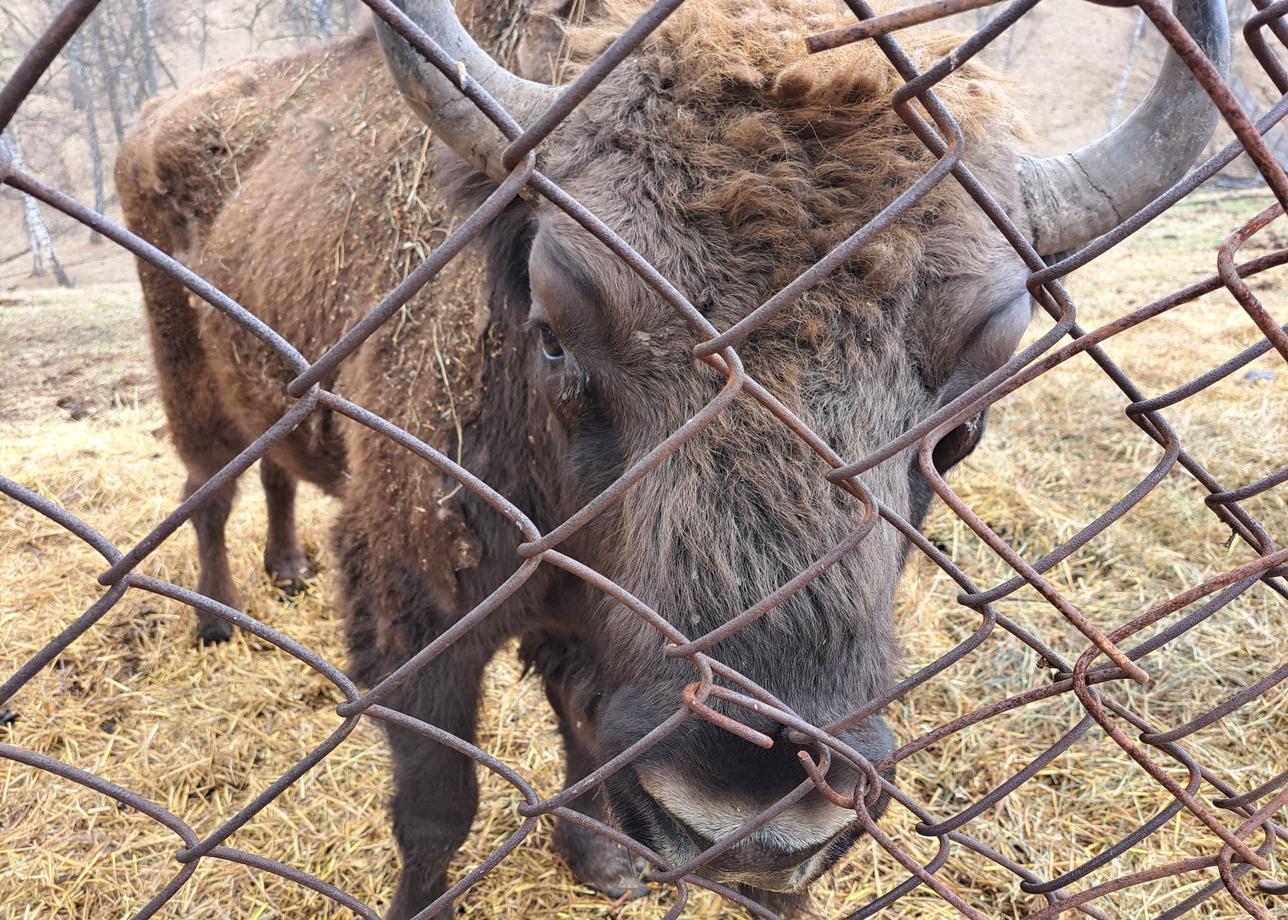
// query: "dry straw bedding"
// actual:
[[201, 730]]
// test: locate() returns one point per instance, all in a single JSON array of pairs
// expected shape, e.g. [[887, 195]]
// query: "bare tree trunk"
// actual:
[[118, 53], [147, 51], [42, 246], [1122, 83], [83, 98], [204, 40], [345, 18], [108, 75], [252, 21], [1276, 141], [323, 22]]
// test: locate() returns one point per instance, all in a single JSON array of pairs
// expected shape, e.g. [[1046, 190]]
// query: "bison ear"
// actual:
[[505, 240], [975, 339], [988, 343], [465, 187]]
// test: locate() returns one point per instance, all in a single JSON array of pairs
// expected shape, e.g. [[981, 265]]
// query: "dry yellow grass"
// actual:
[[201, 730]]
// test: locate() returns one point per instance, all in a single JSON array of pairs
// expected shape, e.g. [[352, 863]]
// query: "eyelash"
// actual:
[[550, 347], [552, 350]]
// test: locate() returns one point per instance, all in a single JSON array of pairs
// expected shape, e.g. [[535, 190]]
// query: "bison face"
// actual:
[[731, 516], [724, 522], [733, 163]]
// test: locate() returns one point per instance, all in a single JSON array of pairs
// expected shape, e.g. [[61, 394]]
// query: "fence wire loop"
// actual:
[[1240, 829]]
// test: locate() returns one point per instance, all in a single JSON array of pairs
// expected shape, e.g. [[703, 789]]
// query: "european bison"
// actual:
[[305, 188]]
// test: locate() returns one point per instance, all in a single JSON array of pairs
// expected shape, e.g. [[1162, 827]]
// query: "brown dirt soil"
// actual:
[[202, 730], [75, 350]]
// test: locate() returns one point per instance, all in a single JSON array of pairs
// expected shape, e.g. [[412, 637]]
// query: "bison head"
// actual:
[[733, 163]]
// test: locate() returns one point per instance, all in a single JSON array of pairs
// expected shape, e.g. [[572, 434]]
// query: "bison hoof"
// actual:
[[413, 896], [214, 631], [599, 863], [291, 575]]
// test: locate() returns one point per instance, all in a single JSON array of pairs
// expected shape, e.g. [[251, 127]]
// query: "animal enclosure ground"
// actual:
[[201, 730]]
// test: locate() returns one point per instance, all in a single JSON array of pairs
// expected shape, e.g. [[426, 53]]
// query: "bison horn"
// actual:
[[439, 101], [1075, 197]]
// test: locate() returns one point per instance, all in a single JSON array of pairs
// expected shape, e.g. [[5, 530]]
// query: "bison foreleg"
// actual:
[[284, 557], [214, 579], [435, 789]]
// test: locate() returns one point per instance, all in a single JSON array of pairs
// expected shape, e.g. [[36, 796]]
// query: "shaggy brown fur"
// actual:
[[775, 138], [755, 161], [303, 189]]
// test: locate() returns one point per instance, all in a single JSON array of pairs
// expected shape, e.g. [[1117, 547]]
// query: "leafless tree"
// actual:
[[83, 98], [42, 246], [203, 33], [106, 65], [124, 59], [314, 19], [320, 17], [146, 55], [1121, 92]]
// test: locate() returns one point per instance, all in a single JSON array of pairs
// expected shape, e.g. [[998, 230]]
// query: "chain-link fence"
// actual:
[[1238, 833]]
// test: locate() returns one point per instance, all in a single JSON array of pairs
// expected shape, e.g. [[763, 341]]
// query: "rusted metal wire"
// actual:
[[891, 22], [1241, 824]]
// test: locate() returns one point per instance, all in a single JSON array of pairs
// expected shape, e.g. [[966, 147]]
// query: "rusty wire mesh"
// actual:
[[1234, 818]]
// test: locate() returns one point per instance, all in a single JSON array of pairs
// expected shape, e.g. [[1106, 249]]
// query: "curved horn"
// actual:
[[1077, 196], [439, 102]]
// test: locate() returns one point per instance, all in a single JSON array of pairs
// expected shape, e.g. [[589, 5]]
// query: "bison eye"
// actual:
[[550, 346]]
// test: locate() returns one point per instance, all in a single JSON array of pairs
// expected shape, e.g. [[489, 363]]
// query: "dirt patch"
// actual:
[[79, 351]]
